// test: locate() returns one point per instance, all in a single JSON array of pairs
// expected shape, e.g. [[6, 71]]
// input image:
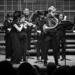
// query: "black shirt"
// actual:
[[13, 28], [7, 25], [39, 23]]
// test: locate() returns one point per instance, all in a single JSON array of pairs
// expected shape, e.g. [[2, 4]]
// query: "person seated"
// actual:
[[50, 68], [6, 68], [26, 68], [61, 71], [72, 70]]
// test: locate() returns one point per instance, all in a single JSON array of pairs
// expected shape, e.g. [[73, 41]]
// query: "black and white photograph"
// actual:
[[37, 37]]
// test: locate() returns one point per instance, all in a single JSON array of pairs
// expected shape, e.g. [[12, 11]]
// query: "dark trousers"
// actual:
[[29, 29], [8, 45], [54, 47], [40, 45], [16, 48], [61, 40], [23, 41], [29, 39]]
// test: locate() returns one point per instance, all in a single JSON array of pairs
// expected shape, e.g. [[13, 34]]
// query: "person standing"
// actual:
[[60, 35], [7, 27], [16, 45], [26, 13], [50, 31], [23, 38], [39, 22]]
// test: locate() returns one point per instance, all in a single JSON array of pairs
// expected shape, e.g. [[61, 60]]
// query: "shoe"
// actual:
[[8, 59], [45, 64], [38, 58], [42, 60], [24, 60], [57, 64], [62, 59]]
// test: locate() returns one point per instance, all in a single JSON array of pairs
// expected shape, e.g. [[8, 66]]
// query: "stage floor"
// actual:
[[33, 60]]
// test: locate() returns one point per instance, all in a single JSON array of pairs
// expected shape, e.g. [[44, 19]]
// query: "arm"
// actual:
[[18, 28]]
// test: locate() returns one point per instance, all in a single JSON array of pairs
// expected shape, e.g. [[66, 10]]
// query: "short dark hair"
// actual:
[[40, 12]]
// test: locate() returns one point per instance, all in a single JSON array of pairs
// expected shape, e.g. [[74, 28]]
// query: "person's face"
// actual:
[[41, 16], [61, 16], [52, 13], [10, 19], [22, 19], [26, 12]]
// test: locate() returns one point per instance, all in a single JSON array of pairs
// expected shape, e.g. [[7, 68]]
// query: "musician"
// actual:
[[27, 18], [16, 45], [23, 38], [51, 32], [61, 36], [39, 22], [61, 30], [7, 27]]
